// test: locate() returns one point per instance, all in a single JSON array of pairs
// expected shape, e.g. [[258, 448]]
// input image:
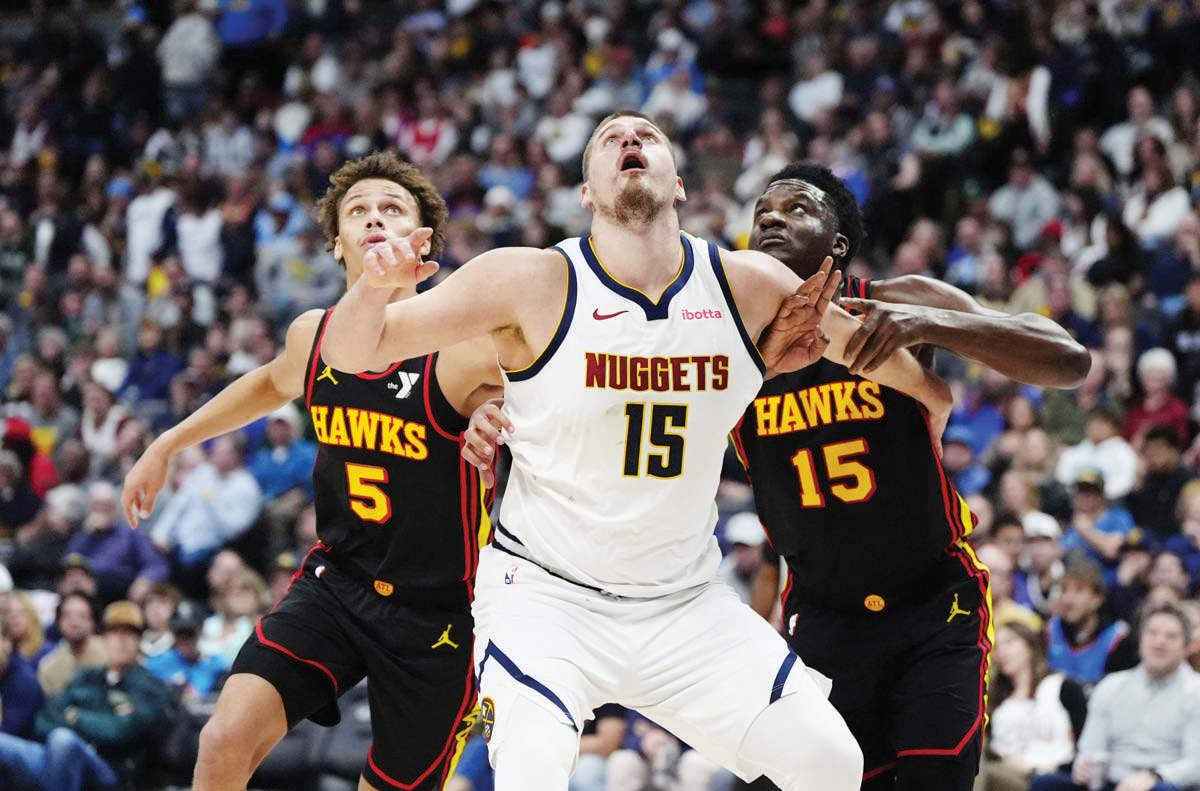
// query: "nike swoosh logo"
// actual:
[[598, 316]]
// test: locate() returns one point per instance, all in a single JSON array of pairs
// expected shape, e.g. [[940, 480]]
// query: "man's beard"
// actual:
[[635, 205]]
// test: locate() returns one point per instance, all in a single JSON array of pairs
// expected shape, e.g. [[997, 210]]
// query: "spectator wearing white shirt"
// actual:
[[674, 98], [189, 53], [228, 145], [1158, 205], [1103, 449], [215, 503], [1118, 140], [820, 90], [1143, 725], [1027, 202], [563, 131], [144, 221]]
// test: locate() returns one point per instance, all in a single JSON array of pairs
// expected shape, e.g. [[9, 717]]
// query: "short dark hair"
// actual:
[[587, 149], [1087, 573], [389, 167], [1174, 611], [1162, 434], [841, 199], [88, 600]]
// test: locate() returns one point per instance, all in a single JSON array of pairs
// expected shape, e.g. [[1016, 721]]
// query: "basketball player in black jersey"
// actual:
[[386, 591], [883, 594]]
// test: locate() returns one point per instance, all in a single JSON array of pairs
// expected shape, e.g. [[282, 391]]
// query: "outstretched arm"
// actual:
[[912, 310], [248, 398], [366, 333]]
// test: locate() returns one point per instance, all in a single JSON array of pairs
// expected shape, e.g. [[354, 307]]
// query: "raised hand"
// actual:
[[794, 339], [143, 483], [886, 328], [488, 430], [395, 262]]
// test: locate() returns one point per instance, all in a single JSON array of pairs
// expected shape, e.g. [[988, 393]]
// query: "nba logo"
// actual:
[[510, 576]]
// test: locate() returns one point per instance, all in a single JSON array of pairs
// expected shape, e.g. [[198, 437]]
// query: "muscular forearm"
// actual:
[[900, 372], [355, 330], [1026, 347], [248, 398]]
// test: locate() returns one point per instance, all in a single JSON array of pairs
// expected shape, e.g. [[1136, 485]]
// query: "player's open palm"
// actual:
[[143, 482], [395, 261], [488, 430], [794, 339]]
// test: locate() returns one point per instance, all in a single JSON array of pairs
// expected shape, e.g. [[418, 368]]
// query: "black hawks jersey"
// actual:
[[397, 506], [849, 486]]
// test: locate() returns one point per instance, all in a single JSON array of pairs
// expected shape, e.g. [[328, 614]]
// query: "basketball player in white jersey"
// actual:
[[628, 356]]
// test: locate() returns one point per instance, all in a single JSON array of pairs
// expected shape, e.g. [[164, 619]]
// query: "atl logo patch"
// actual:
[[384, 588], [487, 716]]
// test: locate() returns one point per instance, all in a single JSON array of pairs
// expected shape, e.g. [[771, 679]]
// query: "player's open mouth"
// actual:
[[374, 238], [633, 161]]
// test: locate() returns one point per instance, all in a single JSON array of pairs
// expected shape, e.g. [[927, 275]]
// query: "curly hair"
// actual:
[[841, 200], [389, 167]]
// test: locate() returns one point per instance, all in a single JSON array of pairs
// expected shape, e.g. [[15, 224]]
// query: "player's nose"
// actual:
[[770, 219]]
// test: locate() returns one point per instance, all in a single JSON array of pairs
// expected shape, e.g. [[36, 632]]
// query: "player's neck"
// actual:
[[645, 257]]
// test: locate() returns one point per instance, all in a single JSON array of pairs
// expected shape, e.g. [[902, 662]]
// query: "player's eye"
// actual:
[[357, 211], [394, 209], [799, 207]]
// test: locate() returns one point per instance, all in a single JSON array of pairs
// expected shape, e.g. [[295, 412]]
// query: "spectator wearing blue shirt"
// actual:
[[283, 468], [1084, 640], [151, 369], [182, 666], [969, 476], [1096, 528], [20, 692], [124, 561], [282, 218]]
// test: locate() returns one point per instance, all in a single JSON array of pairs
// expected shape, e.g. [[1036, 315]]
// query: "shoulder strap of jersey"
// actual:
[[314, 358], [443, 417]]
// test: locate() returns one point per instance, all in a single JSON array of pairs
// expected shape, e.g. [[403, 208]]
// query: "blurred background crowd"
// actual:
[[158, 164]]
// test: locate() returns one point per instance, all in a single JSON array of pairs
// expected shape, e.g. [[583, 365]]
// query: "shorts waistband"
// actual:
[[498, 544], [452, 595], [942, 574]]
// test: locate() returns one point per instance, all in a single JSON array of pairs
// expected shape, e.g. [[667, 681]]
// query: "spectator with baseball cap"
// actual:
[[744, 536], [1037, 584], [182, 666], [958, 457], [1096, 529], [95, 732]]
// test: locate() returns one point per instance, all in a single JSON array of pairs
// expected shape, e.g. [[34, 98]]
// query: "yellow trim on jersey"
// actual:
[[619, 282], [554, 335], [460, 740], [484, 534], [967, 518], [991, 627]]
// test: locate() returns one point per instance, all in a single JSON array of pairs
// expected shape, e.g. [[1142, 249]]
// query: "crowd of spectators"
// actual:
[[158, 164]]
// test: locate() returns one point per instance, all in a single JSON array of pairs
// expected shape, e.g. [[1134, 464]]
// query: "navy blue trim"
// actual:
[[564, 324], [529, 681], [500, 529], [714, 258], [782, 676], [500, 546], [655, 311]]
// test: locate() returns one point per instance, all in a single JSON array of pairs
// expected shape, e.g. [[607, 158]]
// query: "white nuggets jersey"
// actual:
[[620, 427]]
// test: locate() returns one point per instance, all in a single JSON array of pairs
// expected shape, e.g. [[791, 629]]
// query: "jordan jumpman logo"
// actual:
[[955, 610], [327, 374], [445, 639]]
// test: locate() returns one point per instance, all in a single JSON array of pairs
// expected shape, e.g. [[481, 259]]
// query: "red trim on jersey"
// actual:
[[878, 771], [949, 495], [429, 404], [980, 575], [862, 289], [316, 358], [467, 703], [262, 638], [299, 572], [783, 597], [464, 512], [739, 447], [372, 376]]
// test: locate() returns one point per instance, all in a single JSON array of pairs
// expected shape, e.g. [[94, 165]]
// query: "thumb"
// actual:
[[857, 305], [427, 270]]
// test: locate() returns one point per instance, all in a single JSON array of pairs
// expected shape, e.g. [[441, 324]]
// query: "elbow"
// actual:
[[1077, 364]]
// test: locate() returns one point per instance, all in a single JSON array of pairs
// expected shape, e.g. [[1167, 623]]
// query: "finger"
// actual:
[[884, 354], [487, 477], [857, 305], [482, 446], [485, 432], [827, 293], [871, 351], [127, 506], [388, 255], [427, 270], [470, 456], [498, 417], [859, 339]]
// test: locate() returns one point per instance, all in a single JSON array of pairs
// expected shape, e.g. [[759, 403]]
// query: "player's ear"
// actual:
[[337, 248], [585, 197], [841, 246], [680, 192]]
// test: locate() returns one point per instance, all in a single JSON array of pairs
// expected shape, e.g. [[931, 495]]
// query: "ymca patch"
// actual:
[[487, 716]]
